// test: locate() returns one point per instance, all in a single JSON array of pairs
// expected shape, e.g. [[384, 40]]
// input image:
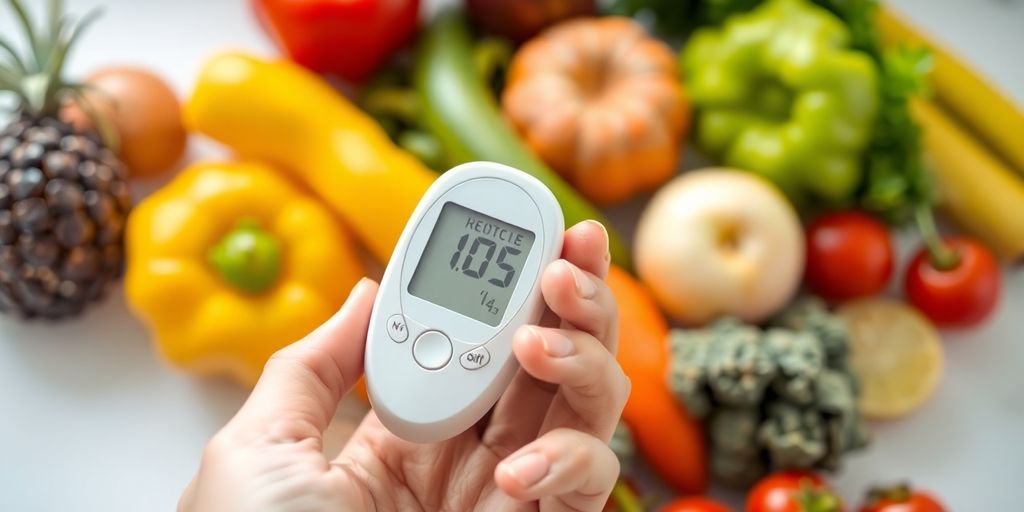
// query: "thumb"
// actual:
[[302, 383]]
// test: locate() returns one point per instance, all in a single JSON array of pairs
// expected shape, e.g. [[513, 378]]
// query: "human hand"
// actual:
[[544, 444]]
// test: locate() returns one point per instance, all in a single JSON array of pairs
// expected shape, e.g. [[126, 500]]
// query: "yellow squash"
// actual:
[[975, 188], [278, 112], [983, 107], [230, 262]]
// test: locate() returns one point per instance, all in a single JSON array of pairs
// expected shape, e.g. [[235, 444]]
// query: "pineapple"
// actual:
[[63, 193]]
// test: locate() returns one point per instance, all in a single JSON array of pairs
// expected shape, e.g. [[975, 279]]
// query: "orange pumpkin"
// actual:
[[600, 101]]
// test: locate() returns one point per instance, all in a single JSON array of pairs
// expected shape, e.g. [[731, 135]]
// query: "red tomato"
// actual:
[[904, 500], [789, 491], [958, 297], [695, 505], [849, 255]]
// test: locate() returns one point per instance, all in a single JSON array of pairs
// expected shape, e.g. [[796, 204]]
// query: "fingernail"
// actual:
[[358, 287], [584, 284], [556, 345], [528, 469], [607, 252], [598, 224]]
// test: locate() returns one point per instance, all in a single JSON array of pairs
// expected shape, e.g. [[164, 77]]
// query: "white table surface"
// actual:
[[90, 419]]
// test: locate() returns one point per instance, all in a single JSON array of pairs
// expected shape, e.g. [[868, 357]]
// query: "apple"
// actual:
[[720, 242], [520, 20]]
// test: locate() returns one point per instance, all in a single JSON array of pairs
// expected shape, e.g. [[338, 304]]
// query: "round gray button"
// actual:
[[397, 329], [432, 350]]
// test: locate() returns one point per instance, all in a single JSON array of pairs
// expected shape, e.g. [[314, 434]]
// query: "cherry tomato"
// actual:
[[695, 505], [961, 296], [849, 255], [901, 499], [792, 491]]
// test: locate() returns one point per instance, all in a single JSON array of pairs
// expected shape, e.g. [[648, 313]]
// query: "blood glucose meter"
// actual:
[[464, 276]]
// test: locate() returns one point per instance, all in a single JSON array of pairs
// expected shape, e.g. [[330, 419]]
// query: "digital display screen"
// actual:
[[471, 263]]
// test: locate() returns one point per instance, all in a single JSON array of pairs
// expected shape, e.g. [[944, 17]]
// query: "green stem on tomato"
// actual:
[[814, 499], [941, 255], [898, 493]]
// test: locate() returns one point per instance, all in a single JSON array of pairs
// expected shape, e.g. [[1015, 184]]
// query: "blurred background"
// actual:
[[92, 417]]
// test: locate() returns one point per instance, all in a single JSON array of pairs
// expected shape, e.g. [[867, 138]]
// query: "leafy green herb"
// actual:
[[896, 184]]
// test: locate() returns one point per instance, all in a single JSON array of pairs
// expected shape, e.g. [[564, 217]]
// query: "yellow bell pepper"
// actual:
[[276, 111], [230, 262]]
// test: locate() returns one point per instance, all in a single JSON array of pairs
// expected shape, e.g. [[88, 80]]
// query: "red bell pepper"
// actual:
[[347, 38]]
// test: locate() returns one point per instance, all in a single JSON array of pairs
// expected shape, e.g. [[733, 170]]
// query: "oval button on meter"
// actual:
[[475, 359], [463, 277], [397, 329]]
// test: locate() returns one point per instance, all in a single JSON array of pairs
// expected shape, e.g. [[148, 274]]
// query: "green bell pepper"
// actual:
[[780, 93]]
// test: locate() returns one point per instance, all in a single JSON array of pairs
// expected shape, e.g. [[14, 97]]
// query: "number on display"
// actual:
[[480, 269], [488, 303]]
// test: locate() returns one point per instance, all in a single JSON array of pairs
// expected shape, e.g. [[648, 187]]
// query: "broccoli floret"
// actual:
[[793, 437], [687, 378], [735, 430], [835, 396], [800, 359], [810, 314], [738, 367]]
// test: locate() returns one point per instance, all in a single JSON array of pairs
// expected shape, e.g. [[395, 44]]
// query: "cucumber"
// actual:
[[459, 109]]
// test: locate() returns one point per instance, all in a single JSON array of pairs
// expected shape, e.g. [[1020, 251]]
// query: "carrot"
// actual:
[[670, 441]]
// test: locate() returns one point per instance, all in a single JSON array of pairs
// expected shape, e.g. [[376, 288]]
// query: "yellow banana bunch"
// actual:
[[975, 189], [986, 110], [973, 164]]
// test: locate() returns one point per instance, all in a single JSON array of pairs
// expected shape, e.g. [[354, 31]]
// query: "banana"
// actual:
[[975, 188], [986, 110]]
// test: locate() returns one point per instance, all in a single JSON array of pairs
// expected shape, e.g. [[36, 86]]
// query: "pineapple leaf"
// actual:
[[35, 76], [9, 82], [96, 91], [34, 89], [60, 52], [8, 77], [64, 44], [53, 27], [15, 59], [49, 44], [26, 26], [104, 127]]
